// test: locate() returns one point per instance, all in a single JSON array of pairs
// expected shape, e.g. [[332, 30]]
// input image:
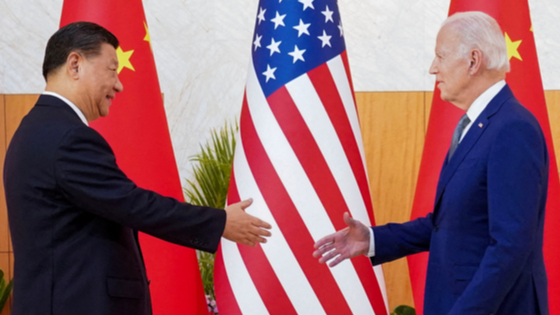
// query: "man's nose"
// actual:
[[118, 86], [433, 67]]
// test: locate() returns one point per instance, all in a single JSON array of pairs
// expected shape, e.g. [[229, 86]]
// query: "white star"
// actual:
[[307, 4], [269, 73], [340, 28], [278, 20], [328, 15], [260, 17], [274, 47], [257, 41], [297, 54], [326, 39], [302, 28]]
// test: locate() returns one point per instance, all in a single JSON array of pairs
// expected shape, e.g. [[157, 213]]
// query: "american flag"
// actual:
[[300, 157]]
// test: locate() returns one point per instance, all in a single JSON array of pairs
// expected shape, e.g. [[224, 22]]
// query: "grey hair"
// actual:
[[478, 30]]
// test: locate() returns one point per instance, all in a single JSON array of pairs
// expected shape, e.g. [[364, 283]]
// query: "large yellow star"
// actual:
[[124, 59], [512, 48], [147, 37]]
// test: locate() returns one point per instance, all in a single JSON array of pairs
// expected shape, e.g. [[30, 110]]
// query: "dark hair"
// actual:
[[82, 37]]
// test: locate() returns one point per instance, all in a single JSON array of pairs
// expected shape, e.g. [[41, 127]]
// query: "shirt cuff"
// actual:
[[371, 251]]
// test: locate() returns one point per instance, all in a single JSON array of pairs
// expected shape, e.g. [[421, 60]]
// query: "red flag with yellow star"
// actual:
[[137, 130], [525, 81]]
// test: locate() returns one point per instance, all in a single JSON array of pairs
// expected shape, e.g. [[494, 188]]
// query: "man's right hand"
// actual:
[[244, 228], [344, 244]]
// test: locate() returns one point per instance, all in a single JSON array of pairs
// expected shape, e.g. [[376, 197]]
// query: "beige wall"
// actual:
[[393, 126]]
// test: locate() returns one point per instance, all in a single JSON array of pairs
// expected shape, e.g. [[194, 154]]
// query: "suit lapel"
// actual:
[[470, 139]]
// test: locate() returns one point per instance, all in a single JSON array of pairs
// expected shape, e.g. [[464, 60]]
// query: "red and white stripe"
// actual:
[[300, 157]]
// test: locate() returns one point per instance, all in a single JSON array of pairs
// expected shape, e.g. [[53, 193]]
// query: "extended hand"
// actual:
[[244, 228], [346, 243]]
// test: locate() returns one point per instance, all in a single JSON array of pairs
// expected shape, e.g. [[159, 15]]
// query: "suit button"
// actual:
[[436, 228]]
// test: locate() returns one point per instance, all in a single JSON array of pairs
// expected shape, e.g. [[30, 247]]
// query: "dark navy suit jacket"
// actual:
[[485, 234], [73, 218]]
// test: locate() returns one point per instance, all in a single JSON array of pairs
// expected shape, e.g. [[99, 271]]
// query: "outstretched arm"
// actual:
[[347, 243]]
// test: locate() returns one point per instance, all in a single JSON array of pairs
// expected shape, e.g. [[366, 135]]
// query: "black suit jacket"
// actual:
[[73, 218]]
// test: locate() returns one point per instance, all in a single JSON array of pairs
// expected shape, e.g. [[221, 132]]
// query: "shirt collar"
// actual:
[[74, 107], [484, 99], [478, 106]]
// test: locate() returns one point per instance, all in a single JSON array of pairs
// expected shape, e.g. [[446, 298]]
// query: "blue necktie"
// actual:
[[463, 122]]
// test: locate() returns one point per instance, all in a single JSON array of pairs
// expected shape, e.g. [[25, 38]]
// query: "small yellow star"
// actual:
[[124, 59], [147, 37], [512, 48]]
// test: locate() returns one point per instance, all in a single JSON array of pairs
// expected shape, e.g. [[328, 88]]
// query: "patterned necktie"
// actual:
[[463, 122]]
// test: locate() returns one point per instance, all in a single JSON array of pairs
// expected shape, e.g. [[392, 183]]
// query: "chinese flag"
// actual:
[[136, 129], [525, 81]]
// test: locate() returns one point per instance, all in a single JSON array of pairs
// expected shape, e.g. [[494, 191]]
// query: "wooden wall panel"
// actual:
[[553, 106], [13, 108], [428, 96], [393, 128], [17, 106], [4, 231]]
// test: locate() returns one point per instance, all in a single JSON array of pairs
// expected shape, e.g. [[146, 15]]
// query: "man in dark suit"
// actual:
[[485, 234], [73, 213]]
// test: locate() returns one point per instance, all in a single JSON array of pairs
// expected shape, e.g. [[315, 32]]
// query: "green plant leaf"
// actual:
[[212, 171], [5, 295], [404, 310], [4, 290]]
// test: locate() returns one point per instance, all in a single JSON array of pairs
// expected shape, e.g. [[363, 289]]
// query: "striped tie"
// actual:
[[463, 122]]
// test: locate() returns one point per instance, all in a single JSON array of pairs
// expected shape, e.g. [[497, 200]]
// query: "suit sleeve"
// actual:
[[393, 241], [90, 179], [517, 177]]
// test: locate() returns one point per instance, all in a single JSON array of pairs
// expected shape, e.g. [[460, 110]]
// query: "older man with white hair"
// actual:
[[485, 233]]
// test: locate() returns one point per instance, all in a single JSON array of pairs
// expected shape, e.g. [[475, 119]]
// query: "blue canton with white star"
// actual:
[[293, 37]]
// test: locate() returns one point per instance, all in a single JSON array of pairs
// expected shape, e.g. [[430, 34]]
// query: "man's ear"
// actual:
[[73, 64], [475, 59]]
